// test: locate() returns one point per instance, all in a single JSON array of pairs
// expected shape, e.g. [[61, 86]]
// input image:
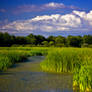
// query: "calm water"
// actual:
[[28, 77]]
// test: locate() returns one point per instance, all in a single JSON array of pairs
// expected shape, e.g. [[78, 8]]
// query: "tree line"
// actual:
[[39, 40]]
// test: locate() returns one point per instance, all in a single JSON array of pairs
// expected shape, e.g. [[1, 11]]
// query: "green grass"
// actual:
[[77, 61], [12, 55], [71, 60], [8, 58]]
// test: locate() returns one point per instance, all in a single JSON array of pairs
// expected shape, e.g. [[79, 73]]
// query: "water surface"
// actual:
[[28, 77]]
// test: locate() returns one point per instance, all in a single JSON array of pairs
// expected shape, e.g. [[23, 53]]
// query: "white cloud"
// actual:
[[46, 17], [42, 7], [87, 17], [75, 21], [70, 20], [55, 5]]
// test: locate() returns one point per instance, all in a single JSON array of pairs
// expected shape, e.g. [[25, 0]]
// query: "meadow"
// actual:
[[76, 61]]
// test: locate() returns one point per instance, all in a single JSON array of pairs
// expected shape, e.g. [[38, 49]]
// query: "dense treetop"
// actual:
[[39, 40]]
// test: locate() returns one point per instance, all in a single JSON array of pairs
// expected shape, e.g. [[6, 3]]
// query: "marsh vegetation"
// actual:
[[12, 55], [76, 61]]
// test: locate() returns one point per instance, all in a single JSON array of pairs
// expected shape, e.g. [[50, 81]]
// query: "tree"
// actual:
[[45, 43], [74, 41], [31, 39], [51, 43], [40, 39], [6, 39], [51, 38], [20, 40], [1, 39], [60, 41], [87, 39], [13, 40]]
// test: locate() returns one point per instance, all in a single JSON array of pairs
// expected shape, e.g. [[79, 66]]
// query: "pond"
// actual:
[[28, 77]]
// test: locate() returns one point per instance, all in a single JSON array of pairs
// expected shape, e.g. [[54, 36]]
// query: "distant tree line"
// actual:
[[39, 40]]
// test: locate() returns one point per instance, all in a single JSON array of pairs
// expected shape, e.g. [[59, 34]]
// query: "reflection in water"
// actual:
[[26, 79]]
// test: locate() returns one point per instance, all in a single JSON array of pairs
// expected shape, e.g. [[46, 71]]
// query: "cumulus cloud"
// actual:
[[43, 7], [86, 16], [77, 21]]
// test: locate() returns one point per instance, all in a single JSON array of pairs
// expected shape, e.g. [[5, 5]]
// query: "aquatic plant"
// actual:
[[11, 55], [71, 60]]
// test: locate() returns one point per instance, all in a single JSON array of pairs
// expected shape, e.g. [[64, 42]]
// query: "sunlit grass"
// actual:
[[8, 58], [11, 55], [71, 60], [77, 61]]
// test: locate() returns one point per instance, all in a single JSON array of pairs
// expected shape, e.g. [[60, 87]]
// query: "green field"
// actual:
[[77, 61]]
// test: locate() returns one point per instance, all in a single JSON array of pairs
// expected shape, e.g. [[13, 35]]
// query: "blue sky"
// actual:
[[54, 17]]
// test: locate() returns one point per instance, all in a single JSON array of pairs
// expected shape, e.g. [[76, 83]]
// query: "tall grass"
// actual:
[[8, 58], [63, 60], [71, 60], [11, 55]]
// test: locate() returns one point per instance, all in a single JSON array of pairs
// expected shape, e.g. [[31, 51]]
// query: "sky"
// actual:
[[46, 17]]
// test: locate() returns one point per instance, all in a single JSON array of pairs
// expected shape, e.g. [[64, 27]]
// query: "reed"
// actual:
[[8, 58], [12, 55], [71, 60]]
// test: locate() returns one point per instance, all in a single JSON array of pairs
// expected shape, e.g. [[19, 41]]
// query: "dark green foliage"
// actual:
[[87, 39], [45, 43], [74, 41], [20, 40], [60, 41], [40, 39], [51, 43], [31, 39], [51, 38], [7, 40]]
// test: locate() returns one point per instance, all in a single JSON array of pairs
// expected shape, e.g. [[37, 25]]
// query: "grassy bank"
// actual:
[[77, 61], [71, 60], [11, 55], [8, 58]]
